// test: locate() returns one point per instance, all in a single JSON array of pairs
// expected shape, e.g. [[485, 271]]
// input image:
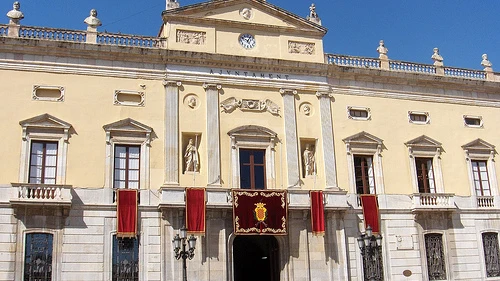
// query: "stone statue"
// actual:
[[15, 15], [485, 62], [308, 159], [437, 58], [313, 16], [191, 158], [382, 50], [172, 4], [92, 21]]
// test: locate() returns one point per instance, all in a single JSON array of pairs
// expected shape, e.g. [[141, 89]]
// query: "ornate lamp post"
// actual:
[[371, 250], [180, 240]]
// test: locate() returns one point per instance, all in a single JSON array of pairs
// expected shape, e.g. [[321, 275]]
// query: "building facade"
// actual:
[[239, 95]]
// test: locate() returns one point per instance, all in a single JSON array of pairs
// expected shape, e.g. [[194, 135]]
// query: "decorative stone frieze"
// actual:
[[191, 37], [305, 48], [230, 104]]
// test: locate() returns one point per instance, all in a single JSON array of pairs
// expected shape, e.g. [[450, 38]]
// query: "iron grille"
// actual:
[[125, 259], [373, 266], [436, 266], [490, 245], [38, 257]]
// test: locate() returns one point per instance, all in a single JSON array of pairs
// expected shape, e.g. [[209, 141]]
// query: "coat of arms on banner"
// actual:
[[263, 212]]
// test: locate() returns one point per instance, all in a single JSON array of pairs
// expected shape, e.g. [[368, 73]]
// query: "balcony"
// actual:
[[433, 202], [46, 195], [485, 202]]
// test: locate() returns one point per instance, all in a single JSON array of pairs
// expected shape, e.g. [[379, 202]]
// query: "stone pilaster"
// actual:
[[292, 151], [172, 132], [213, 134], [327, 139]]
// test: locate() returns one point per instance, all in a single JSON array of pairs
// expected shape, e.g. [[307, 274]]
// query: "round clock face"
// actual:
[[247, 41]]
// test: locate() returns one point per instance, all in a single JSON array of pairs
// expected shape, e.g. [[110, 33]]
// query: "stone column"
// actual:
[[327, 139], [171, 133], [213, 134], [292, 151]]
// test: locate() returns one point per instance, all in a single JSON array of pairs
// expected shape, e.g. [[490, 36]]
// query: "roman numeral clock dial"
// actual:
[[247, 41]]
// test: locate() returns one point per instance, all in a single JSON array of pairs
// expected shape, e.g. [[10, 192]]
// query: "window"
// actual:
[[480, 176], [425, 175], [38, 257], [491, 254], [125, 261], [44, 149], [126, 167], [480, 160], [425, 165], [364, 160], [436, 267], [418, 117], [127, 150], [252, 168], [252, 157], [358, 113], [43, 162], [473, 121], [364, 174]]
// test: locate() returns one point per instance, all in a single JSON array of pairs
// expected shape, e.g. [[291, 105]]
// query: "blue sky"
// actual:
[[462, 29]]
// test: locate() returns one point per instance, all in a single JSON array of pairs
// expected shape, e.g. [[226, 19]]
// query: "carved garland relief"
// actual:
[[230, 104], [191, 37], [295, 47]]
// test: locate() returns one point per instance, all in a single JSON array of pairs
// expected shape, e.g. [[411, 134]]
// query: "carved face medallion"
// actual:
[[247, 41], [246, 13]]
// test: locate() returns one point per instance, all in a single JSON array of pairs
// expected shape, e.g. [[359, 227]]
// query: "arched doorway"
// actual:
[[256, 258]]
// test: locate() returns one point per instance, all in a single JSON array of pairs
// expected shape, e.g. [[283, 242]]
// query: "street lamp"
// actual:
[[371, 246], [180, 240]]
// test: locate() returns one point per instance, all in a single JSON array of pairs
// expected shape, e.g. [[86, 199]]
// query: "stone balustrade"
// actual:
[[433, 201], [401, 66], [129, 40], [352, 61], [4, 29], [411, 67], [485, 201], [41, 194], [464, 73], [52, 34]]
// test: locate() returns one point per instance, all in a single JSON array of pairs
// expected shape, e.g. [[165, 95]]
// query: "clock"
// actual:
[[247, 41]]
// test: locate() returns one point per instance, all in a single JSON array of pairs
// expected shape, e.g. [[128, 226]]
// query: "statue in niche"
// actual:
[[92, 20], [191, 157], [308, 159], [15, 15]]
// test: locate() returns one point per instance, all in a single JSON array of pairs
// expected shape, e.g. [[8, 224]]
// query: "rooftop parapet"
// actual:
[[92, 36]]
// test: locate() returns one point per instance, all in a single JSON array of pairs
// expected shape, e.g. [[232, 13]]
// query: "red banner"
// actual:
[[370, 211], [195, 210], [262, 212], [126, 212], [317, 213]]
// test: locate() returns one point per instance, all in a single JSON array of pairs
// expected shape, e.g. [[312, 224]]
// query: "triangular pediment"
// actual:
[[45, 121], [423, 142], [240, 13], [479, 145], [252, 131], [127, 125], [363, 138]]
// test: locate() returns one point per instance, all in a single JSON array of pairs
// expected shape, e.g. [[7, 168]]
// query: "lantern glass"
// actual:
[[368, 231], [183, 232], [192, 242], [379, 240], [361, 243], [177, 241]]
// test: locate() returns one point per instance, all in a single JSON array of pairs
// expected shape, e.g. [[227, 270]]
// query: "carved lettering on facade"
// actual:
[[295, 47], [275, 76], [191, 37], [230, 104]]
